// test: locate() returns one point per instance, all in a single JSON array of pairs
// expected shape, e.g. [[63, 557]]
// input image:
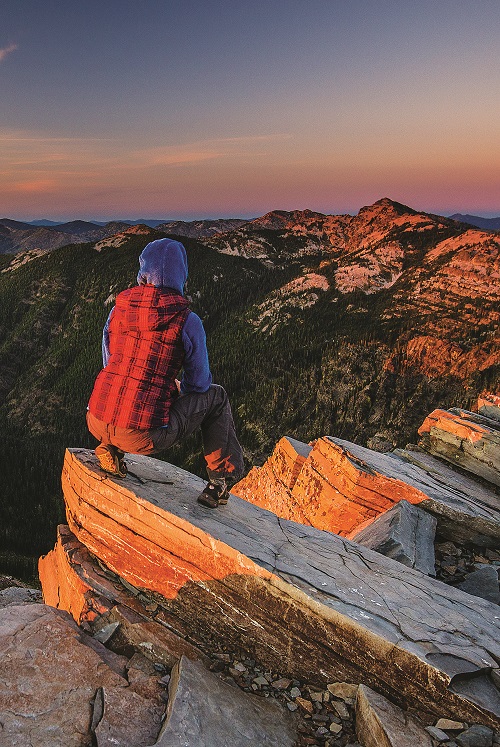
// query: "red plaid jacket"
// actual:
[[137, 387]]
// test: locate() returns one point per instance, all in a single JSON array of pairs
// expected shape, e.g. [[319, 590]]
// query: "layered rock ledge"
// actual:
[[342, 487], [304, 601]]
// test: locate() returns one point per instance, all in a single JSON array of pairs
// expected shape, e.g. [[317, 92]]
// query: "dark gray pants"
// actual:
[[208, 410]]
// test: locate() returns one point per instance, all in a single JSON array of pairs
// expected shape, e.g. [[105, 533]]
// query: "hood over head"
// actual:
[[163, 263]]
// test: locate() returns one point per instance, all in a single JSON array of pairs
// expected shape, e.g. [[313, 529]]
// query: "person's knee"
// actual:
[[220, 395]]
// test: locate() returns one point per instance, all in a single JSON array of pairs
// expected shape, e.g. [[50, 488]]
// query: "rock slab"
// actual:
[[303, 602], [465, 439], [51, 673], [203, 710], [404, 533], [379, 723]]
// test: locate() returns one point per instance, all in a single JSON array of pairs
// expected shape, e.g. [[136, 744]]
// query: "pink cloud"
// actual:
[[7, 50], [35, 185]]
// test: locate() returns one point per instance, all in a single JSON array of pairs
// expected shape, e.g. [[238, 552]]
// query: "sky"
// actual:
[[184, 109]]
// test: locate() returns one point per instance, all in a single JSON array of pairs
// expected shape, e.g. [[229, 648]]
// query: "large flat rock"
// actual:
[[205, 711], [50, 674], [300, 600]]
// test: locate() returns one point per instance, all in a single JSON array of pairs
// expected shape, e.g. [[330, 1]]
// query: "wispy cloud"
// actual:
[[6, 51], [204, 150]]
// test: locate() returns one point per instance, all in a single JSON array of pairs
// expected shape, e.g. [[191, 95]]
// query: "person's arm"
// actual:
[[105, 340], [196, 376]]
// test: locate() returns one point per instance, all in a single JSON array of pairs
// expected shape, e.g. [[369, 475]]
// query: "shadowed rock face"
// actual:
[[243, 574], [204, 711]]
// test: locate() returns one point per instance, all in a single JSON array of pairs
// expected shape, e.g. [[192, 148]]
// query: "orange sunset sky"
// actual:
[[123, 109]]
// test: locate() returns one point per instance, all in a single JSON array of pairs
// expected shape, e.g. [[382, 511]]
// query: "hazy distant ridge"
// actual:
[[487, 224]]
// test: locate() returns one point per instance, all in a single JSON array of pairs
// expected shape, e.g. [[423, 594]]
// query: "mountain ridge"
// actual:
[[356, 326], [488, 224]]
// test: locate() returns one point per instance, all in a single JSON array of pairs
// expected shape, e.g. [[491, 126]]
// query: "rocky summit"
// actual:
[[306, 612]]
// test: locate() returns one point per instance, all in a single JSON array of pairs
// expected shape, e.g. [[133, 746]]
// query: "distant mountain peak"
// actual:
[[487, 224], [387, 203]]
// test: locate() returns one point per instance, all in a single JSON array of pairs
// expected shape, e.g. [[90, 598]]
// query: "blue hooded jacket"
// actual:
[[163, 263]]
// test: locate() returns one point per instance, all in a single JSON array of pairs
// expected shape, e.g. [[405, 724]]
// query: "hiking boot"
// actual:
[[214, 494], [111, 460]]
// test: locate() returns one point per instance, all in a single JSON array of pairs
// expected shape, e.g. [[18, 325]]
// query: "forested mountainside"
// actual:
[[353, 326]]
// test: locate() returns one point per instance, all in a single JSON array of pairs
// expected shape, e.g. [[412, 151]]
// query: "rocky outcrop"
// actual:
[[465, 439], [239, 573], [53, 678], [342, 487]]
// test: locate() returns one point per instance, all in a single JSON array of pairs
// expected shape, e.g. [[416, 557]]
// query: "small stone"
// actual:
[[152, 607], [306, 705], [160, 667], [316, 697], [292, 706], [281, 684], [341, 709], [335, 728], [254, 686], [344, 690], [447, 548], [223, 657], [165, 680], [295, 692], [240, 667], [261, 681], [436, 733], [320, 718], [447, 725], [321, 731], [107, 632], [476, 736]]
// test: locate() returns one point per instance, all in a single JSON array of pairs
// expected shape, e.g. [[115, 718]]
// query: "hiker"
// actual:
[[138, 405]]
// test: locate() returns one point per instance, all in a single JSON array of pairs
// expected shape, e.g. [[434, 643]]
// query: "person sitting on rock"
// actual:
[[138, 405]]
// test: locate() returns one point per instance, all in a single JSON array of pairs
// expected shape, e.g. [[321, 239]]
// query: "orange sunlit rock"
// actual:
[[62, 587], [329, 489], [450, 423], [270, 486], [145, 545]]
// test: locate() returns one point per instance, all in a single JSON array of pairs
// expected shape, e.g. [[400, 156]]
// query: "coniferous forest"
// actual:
[[318, 369]]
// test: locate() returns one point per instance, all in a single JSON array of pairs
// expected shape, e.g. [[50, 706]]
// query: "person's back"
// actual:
[[137, 404], [137, 386]]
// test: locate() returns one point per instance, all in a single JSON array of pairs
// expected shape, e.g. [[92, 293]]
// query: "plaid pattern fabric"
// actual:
[[137, 387]]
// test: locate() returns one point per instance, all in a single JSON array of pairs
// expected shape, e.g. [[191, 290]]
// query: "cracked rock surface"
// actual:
[[242, 570], [50, 675]]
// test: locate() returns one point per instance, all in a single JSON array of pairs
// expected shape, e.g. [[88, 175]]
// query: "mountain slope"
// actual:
[[21, 237], [354, 326]]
